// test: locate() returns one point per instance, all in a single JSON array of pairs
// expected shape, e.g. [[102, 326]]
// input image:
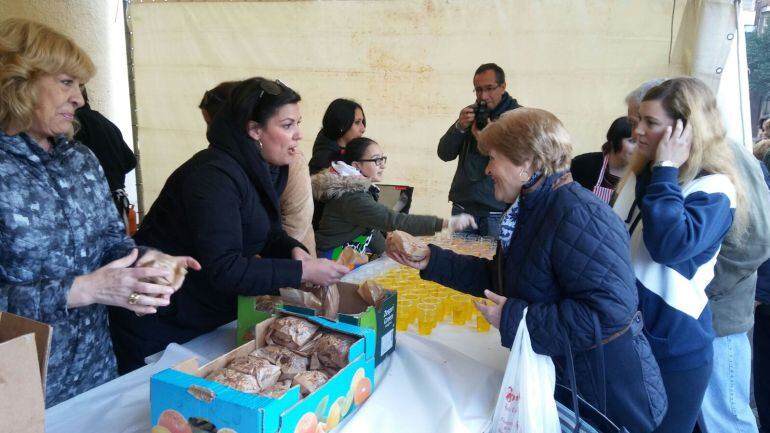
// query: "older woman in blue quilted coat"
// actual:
[[564, 255]]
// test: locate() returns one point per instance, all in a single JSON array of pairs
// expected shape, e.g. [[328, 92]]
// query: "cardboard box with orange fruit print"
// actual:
[[183, 401]]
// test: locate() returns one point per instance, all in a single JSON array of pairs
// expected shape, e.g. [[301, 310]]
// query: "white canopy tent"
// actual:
[[410, 65]]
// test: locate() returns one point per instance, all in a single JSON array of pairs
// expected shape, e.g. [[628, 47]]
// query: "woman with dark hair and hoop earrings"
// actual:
[[600, 172], [351, 213], [343, 121], [297, 197], [222, 207]]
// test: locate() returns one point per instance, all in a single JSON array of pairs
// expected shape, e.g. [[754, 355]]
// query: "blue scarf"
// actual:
[[511, 216]]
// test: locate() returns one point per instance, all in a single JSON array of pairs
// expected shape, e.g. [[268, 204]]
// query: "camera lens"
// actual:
[[481, 117]]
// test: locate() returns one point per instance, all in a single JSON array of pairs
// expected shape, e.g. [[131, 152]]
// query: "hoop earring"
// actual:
[[259, 144], [524, 175]]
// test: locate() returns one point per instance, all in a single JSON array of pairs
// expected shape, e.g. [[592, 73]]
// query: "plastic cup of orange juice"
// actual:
[[459, 309], [481, 323], [404, 314], [426, 318]]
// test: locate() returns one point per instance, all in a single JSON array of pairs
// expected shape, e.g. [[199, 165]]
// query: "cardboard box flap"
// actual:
[[20, 385], [350, 301], [207, 391], [12, 326]]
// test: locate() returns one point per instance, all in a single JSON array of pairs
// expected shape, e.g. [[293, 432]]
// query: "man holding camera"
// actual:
[[472, 190]]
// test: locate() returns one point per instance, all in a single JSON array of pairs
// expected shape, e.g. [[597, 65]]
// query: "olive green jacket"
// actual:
[[350, 209]]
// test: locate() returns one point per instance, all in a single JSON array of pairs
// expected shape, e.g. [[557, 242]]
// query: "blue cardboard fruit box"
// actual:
[[182, 400]]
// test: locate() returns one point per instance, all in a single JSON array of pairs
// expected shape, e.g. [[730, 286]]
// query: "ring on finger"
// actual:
[[133, 298]]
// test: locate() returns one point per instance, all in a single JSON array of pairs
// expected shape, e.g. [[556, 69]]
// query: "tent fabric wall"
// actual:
[[711, 47], [410, 64]]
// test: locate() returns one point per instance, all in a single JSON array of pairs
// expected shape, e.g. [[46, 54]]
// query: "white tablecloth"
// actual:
[[445, 382]]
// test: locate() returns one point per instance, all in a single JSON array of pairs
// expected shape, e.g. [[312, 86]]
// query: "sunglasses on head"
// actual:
[[269, 87]]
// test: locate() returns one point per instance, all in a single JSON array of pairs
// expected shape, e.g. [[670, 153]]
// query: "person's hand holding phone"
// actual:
[[675, 144]]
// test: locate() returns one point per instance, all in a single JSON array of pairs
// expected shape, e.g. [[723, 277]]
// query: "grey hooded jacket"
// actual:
[[731, 292]]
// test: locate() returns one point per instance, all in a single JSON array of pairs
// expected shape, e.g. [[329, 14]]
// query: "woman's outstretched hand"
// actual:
[[493, 310], [322, 272], [419, 265]]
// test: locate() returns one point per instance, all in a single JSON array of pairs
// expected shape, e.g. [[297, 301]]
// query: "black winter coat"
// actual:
[[222, 208]]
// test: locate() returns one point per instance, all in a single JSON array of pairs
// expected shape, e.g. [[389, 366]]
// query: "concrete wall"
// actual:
[[98, 27]]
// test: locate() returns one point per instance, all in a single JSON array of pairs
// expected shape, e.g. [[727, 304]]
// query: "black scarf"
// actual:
[[506, 103], [224, 135]]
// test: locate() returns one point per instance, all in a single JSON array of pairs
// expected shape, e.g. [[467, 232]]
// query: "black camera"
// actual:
[[481, 113]]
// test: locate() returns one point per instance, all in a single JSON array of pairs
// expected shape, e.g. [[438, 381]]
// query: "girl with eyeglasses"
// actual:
[[352, 215], [222, 207]]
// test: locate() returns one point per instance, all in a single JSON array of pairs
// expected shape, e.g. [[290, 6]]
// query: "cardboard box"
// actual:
[[24, 346], [249, 314], [180, 393], [353, 310]]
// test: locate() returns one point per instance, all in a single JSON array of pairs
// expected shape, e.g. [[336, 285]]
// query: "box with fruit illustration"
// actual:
[[367, 305], [300, 374]]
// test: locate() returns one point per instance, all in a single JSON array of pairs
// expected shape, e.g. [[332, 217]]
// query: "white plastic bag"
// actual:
[[525, 403]]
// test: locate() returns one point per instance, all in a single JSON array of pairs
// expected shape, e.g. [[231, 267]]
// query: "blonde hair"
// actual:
[[529, 133], [29, 51], [690, 100]]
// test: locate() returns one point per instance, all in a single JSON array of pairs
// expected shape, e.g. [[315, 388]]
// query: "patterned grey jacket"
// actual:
[[57, 222]]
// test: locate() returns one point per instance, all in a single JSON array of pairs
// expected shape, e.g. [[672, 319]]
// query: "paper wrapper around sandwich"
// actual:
[[406, 245], [277, 390], [289, 362], [310, 380], [178, 272], [351, 258], [292, 333], [266, 373], [371, 291], [332, 350], [235, 379], [323, 299], [267, 303]]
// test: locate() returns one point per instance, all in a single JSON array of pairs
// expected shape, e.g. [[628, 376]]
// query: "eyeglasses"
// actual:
[[487, 89], [379, 161]]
